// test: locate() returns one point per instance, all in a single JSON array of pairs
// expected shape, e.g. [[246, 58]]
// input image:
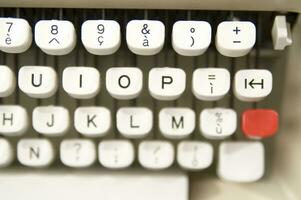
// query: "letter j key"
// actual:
[[50, 120]]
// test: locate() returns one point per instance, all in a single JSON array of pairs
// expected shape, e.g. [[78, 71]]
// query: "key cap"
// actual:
[[36, 153], [92, 121], [78, 153], [7, 81], [156, 155], [259, 123], [101, 37], [116, 154], [191, 38], [6, 153], [55, 37], [124, 82], [13, 120], [50, 120], [15, 35], [235, 38], [176, 122], [145, 37], [38, 81], [81, 82], [166, 83], [107, 184], [218, 123], [241, 161], [193, 155], [210, 84], [134, 122], [253, 84]]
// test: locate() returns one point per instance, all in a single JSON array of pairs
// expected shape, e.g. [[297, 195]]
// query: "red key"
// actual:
[[259, 123]]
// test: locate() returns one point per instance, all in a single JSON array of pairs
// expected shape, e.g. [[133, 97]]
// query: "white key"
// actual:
[[116, 154], [124, 82], [77, 153], [92, 121], [235, 38], [156, 155], [81, 82], [6, 153], [50, 120], [166, 83], [134, 122], [145, 37], [101, 37], [218, 123], [210, 84], [192, 155], [38, 81], [7, 81], [35, 152], [253, 84], [94, 184], [241, 161], [55, 37], [176, 122], [13, 120], [15, 35], [191, 38]]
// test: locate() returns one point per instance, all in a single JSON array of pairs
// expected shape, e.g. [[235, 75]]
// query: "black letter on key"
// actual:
[[51, 123], [33, 82], [132, 125], [166, 80], [177, 124], [34, 152], [80, 80], [90, 120], [4, 118], [124, 85]]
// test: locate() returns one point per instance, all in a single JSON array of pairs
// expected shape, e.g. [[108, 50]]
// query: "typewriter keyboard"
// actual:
[[153, 89]]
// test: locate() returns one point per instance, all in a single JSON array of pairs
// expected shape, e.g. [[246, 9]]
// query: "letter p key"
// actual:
[[166, 83]]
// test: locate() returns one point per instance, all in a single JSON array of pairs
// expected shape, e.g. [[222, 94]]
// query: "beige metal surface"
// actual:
[[268, 5]]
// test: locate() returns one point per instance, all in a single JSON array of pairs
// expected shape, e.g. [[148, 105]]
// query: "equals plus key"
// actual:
[[211, 77]]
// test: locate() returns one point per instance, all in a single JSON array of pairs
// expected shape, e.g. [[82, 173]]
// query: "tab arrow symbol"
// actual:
[[54, 39], [252, 83]]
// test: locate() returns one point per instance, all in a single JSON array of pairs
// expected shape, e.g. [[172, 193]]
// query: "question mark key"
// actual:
[[77, 153]]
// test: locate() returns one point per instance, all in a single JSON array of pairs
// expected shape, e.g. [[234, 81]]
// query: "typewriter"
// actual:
[[148, 100]]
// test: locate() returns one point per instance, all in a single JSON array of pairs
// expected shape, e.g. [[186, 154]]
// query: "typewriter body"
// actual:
[[167, 100]]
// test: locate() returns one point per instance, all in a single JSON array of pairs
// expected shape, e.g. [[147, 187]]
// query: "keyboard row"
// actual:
[[240, 161], [143, 37], [124, 83], [137, 122]]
